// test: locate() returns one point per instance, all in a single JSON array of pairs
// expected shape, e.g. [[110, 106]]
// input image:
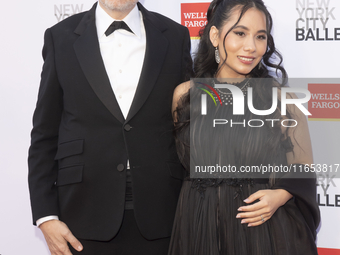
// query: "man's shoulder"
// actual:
[[168, 21], [69, 23]]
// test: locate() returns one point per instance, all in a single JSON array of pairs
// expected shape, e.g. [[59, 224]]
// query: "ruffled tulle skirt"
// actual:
[[206, 224]]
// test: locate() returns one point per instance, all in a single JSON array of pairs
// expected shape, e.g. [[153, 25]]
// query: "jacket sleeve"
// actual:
[[187, 71], [43, 170]]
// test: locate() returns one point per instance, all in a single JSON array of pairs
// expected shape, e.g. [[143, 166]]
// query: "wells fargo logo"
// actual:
[[194, 17], [325, 102]]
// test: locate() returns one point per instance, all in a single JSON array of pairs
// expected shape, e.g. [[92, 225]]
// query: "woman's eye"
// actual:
[[262, 37], [239, 33]]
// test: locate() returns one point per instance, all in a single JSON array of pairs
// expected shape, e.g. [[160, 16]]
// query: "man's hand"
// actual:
[[270, 200], [57, 234]]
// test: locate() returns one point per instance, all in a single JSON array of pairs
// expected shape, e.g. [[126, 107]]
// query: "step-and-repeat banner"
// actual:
[[306, 32]]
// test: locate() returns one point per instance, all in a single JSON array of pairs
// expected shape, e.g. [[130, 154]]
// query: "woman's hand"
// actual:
[[270, 200]]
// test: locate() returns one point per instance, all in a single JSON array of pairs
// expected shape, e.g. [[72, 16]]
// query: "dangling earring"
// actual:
[[259, 65], [217, 56]]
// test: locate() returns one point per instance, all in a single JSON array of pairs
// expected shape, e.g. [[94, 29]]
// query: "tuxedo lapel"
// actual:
[[156, 49], [88, 53]]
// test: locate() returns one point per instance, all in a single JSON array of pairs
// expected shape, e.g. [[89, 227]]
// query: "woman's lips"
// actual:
[[246, 60]]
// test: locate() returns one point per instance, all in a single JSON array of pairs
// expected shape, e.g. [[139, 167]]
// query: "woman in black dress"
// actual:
[[274, 215]]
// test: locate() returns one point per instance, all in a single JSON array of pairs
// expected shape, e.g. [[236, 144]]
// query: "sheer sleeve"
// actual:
[[300, 181], [304, 195]]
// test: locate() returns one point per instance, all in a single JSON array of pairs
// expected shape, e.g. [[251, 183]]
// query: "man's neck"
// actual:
[[116, 14]]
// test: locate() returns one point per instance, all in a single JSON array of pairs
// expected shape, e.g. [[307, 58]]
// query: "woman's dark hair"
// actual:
[[218, 14], [205, 66]]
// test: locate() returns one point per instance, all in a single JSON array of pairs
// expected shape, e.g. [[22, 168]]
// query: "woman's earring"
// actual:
[[259, 65], [217, 56]]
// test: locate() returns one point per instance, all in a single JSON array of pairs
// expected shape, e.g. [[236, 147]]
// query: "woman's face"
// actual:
[[245, 44]]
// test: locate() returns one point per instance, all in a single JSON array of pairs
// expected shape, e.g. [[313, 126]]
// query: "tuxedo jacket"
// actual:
[[81, 142]]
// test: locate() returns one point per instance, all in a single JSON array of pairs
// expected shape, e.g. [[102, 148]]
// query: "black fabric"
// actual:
[[205, 221], [117, 24], [303, 190], [77, 107], [208, 225], [128, 241], [128, 192]]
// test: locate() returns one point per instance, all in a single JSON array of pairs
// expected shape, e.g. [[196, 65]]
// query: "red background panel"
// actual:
[[193, 16], [330, 96], [326, 251]]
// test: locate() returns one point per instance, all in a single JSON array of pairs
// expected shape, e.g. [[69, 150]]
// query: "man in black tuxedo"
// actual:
[[104, 175]]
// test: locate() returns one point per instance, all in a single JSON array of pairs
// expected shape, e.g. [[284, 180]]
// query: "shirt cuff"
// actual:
[[47, 218]]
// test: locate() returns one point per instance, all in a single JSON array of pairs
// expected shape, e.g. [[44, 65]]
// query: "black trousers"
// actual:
[[128, 241]]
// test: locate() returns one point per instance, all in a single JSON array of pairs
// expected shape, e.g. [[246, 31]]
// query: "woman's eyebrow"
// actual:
[[245, 28]]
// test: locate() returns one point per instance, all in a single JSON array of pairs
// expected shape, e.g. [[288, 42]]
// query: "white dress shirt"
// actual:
[[123, 55]]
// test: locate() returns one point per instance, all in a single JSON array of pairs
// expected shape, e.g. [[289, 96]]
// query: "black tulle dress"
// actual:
[[205, 221]]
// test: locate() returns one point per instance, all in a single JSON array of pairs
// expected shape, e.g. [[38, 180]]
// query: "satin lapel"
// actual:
[[88, 53], [156, 49]]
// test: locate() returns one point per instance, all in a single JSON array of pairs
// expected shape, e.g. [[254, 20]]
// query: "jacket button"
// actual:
[[127, 127], [120, 167]]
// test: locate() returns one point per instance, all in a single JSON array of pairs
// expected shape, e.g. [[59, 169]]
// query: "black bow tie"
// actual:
[[117, 25]]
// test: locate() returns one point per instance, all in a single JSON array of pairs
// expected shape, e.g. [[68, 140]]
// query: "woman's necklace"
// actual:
[[227, 97]]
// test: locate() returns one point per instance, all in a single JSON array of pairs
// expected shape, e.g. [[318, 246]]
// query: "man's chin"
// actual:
[[119, 5]]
